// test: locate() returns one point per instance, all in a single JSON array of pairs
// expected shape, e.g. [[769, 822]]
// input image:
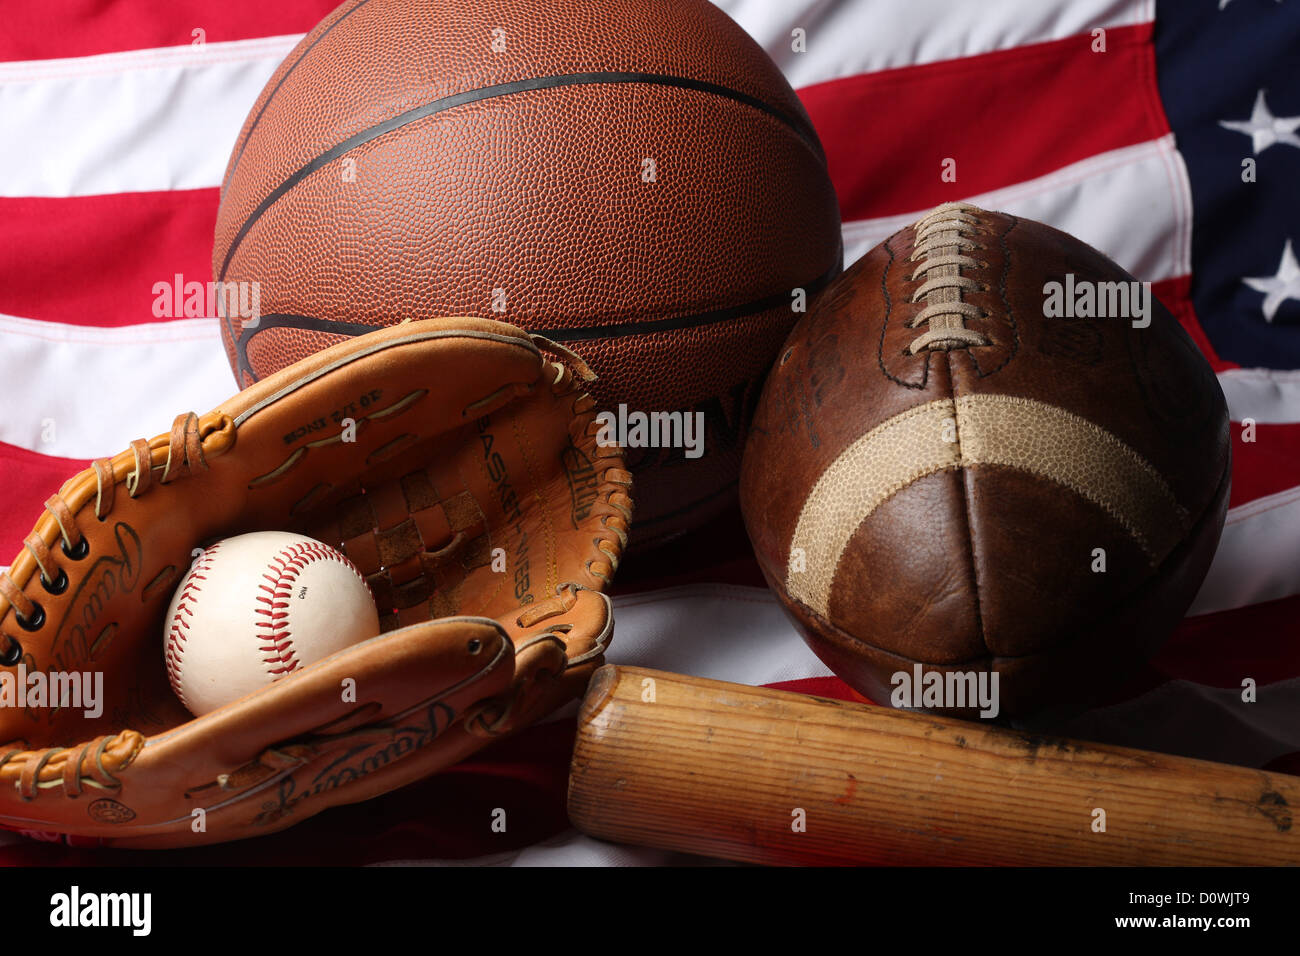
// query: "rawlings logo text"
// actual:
[[359, 761]]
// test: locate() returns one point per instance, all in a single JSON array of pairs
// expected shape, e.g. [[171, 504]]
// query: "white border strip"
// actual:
[[1258, 558], [1268, 396], [1194, 720], [166, 118], [78, 392], [140, 121], [865, 36], [1134, 204]]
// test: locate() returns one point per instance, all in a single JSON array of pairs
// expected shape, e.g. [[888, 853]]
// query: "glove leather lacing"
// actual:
[[69, 766], [192, 441], [184, 452], [616, 482]]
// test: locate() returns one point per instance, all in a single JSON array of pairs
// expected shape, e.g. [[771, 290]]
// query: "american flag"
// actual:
[[1165, 133]]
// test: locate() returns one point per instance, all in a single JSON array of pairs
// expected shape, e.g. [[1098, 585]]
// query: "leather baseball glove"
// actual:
[[455, 463]]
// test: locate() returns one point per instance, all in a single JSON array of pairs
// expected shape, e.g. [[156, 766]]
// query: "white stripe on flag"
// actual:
[[718, 631], [1134, 204], [166, 118], [86, 392], [570, 848], [1193, 720], [1267, 396], [844, 39], [140, 121], [1257, 557]]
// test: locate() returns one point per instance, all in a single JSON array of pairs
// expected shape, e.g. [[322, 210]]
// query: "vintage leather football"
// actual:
[[958, 462]]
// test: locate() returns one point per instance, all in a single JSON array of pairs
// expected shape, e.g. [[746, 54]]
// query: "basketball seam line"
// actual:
[[279, 320], [243, 143], [807, 134]]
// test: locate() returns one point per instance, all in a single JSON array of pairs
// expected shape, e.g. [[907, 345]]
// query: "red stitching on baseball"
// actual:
[[285, 568], [273, 630], [175, 633]]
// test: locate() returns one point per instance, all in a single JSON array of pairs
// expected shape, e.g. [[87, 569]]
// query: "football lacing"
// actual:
[[941, 243]]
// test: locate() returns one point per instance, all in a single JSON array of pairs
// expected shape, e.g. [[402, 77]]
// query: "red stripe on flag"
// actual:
[[887, 134], [1219, 650], [51, 29], [94, 260], [831, 687], [1222, 649], [28, 479], [1265, 466]]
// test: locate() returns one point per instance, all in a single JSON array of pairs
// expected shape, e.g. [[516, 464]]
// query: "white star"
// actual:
[[1265, 129], [1278, 288], [1224, 3]]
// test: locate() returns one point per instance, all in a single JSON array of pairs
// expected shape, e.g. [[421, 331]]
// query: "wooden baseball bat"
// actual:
[[766, 776]]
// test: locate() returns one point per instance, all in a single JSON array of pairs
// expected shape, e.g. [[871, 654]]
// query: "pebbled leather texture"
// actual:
[[942, 504], [454, 461], [423, 158]]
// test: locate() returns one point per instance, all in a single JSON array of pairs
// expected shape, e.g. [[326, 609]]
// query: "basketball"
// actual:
[[635, 180], [952, 475]]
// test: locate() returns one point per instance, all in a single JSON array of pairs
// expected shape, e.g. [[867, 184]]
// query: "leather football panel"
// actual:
[[904, 582], [1070, 434]]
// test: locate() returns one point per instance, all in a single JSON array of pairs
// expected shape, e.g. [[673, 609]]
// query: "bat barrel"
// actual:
[[757, 775]]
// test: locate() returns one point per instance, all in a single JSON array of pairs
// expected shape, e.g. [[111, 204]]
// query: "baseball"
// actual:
[[256, 607]]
